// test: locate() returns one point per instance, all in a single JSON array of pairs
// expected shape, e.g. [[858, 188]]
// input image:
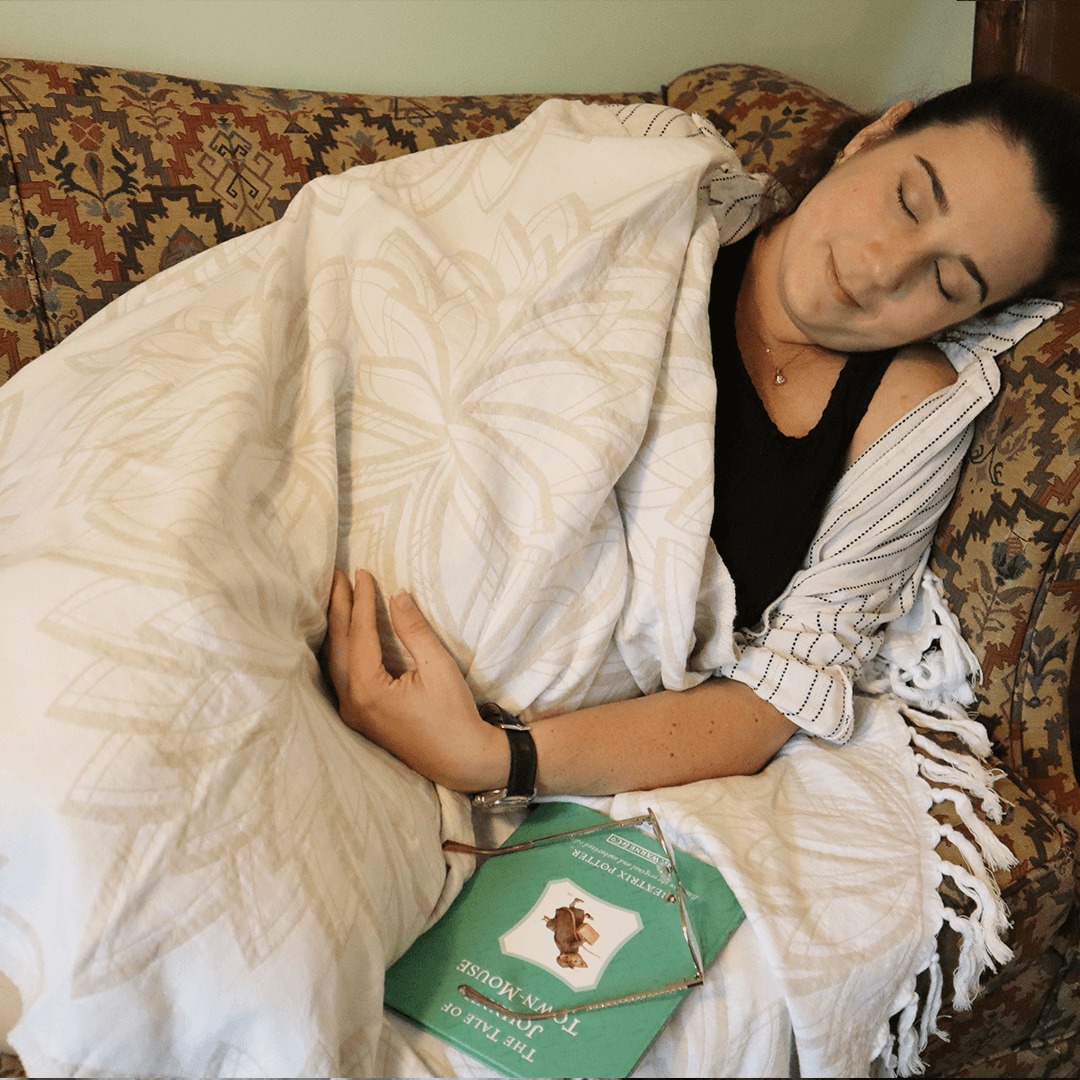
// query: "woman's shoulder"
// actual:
[[916, 372]]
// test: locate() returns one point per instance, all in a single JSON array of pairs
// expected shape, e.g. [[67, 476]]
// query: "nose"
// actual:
[[888, 263]]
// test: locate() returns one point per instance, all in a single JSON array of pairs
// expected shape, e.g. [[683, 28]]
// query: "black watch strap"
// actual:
[[520, 787]]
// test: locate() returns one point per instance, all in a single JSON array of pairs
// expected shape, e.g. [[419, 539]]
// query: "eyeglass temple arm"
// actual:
[[671, 988], [456, 846], [477, 998]]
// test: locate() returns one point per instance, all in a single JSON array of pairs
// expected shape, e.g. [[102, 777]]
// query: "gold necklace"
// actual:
[[778, 378], [778, 369]]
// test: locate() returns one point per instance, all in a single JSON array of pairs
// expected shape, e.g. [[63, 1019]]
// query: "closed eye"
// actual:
[[911, 214], [941, 288], [903, 202]]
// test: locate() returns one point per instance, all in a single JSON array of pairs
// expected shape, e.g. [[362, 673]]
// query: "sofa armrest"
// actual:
[[1008, 552]]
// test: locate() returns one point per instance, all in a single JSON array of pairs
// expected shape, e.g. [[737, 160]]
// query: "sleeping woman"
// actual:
[[482, 371], [820, 329]]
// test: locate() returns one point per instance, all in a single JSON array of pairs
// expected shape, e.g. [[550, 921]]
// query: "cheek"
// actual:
[[802, 269], [900, 323], [919, 321]]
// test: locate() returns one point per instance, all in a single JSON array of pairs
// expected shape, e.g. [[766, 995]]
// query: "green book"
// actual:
[[573, 922]]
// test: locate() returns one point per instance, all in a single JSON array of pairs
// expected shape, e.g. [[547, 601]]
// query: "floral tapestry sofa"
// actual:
[[108, 176]]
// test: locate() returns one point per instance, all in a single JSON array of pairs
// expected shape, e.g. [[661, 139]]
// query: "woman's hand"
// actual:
[[426, 717]]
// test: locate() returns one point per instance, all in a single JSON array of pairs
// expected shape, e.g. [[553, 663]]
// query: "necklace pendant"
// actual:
[[778, 378]]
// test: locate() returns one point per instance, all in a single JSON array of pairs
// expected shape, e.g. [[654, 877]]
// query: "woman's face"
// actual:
[[911, 235]]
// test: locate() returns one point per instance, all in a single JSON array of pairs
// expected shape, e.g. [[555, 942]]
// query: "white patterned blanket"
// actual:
[[482, 372]]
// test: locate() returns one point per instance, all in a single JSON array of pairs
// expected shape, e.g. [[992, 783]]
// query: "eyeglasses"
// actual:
[[677, 895]]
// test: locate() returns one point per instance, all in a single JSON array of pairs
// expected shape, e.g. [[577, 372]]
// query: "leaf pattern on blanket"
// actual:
[[209, 510], [480, 420]]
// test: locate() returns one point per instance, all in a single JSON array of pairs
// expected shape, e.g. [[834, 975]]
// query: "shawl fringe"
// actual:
[[929, 668]]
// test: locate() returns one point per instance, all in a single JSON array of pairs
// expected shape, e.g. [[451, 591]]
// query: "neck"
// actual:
[[761, 283], [772, 347]]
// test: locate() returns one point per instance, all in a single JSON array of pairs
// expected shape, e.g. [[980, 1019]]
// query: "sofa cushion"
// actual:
[[775, 122]]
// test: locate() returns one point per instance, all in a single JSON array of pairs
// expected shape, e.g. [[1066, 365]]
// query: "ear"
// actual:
[[880, 129]]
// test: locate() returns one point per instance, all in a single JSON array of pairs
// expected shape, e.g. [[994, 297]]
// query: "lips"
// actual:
[[842, 294]]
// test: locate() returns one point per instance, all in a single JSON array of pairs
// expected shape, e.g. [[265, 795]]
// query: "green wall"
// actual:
[[868, 52]]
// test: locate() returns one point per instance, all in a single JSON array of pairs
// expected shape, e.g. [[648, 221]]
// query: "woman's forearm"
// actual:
[[426, 717], [721, 728]]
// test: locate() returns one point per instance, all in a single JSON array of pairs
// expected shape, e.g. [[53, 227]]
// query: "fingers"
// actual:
[[414, 632], [354, 651], [426, 716], [354, 654], [340, 611], [363, 629], [338, 620]]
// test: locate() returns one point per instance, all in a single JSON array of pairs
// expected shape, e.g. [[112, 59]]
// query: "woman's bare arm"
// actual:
[[720, 728], [427, 717]]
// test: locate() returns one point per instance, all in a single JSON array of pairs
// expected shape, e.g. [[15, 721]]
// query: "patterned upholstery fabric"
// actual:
[[1031, 1003], [107, 176], [1008, 553], [768, 117]]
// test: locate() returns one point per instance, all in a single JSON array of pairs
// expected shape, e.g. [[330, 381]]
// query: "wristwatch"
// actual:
[[520, 787]]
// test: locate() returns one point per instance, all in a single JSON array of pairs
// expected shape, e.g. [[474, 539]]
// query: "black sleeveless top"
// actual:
[[770, 505]]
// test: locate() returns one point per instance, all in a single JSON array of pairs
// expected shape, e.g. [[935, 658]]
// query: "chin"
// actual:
[[829, 327], [814, 317], [843, 341], [825, 334]]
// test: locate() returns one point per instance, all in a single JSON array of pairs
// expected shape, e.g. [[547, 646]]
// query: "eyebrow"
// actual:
[[942, 201], [940, 197]]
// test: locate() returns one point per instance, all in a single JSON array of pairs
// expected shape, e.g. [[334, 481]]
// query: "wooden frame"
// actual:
[[1038, 37]]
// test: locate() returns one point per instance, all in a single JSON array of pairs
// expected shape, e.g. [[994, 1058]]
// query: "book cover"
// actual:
[[573, 922]]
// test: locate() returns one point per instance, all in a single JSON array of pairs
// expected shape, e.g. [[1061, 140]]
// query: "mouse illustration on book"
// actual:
[[571, 930]]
